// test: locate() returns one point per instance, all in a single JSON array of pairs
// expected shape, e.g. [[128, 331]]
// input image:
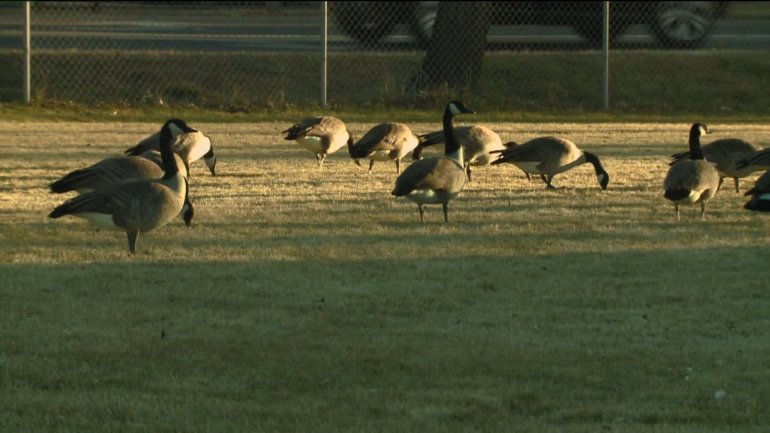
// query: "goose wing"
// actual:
[[136, 204], [303, 128], [150, 143], [431, 173], [383, 137]]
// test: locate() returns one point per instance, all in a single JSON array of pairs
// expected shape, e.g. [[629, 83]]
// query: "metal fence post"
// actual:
[[606, 54], [27, 56], [324, 49]]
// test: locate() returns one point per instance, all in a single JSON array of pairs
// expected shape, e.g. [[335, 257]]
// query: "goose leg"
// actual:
[[676, 208], [547, 180], [132, 235], [721, 179], [737, 185], [320, 159], [468, 171], [398, 166], [371, 164], [445, 205], [703, 210], [422, 213]]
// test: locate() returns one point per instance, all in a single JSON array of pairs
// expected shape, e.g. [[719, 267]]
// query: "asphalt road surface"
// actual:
[[299, 33]]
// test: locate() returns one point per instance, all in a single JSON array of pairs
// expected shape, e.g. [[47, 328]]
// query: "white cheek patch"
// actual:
[[703, 131], [764, 197], [454, 110], [600, 176]]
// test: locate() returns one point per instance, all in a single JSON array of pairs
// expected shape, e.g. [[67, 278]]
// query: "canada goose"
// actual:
[[384, 142], [760, 194], [692, 180], [549, 156], [118, 169], [137, 205], [190, 146], [725, 155], [320, 135], [477, 142], [439, 179]]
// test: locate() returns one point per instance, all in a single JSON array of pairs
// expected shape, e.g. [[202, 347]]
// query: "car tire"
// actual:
[[684, 24]]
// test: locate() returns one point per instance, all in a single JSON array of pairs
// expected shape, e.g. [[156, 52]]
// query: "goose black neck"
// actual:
[[695, 149], [170, 168], [451, 145], [594, 160]]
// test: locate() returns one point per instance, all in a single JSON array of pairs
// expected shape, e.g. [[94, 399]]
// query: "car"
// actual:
[[675, 24]]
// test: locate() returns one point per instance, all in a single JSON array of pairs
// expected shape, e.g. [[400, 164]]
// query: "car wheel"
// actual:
[[684, 24], [422, 20], [367, 22]]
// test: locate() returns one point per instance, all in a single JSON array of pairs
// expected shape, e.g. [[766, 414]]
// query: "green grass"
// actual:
[[723, 83], [311, 300]]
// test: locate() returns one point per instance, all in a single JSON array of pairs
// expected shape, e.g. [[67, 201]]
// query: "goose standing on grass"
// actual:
[[109, 171], [549, 156], [692, 180], [384, 142], [439, 179], [190, 146], [138, 205], [477, 142], [320, 135], [760, 194], [725, 154]]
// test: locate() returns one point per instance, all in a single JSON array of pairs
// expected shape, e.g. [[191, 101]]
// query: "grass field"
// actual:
[[310, 300]]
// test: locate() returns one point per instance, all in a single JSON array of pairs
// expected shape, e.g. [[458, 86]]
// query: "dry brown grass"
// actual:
[[269, 188]]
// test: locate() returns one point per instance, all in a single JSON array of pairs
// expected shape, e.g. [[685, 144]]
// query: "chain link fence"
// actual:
[[506, 55]]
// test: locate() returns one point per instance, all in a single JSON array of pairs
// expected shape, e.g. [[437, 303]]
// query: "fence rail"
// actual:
[[246, 55]]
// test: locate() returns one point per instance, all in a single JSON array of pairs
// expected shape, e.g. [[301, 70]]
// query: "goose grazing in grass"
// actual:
[[117, 169], [439, 179], [320, 135], [760, 194], [384, 142], [477, 142], [726, 154], [692, 180], [549, 156], [138, 205], [190, 146]]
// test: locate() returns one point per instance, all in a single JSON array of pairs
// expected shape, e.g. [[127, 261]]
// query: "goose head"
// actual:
[[211, 161], [457, 107], [177, 126], [171, 129]]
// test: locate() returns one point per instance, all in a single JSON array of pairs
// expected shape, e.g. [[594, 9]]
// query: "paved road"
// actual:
[[297, 33]]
